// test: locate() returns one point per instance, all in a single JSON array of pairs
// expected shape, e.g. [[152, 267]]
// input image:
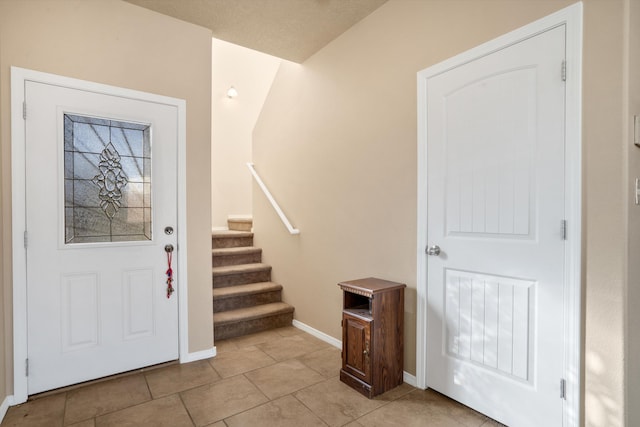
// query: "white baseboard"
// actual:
[[4, 406], [409, 379], [199, 355], [316, 333], [240, 216], [406, 377]]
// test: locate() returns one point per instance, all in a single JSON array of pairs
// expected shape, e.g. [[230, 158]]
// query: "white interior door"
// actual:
[[100, 190], [495, 171]]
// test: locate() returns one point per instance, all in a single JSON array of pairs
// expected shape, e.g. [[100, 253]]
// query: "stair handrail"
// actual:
[[275, 205]]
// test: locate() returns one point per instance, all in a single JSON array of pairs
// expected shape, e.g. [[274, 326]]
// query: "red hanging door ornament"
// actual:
[[170, 289]]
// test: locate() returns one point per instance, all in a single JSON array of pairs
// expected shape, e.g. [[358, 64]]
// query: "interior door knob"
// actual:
[[433, 250]]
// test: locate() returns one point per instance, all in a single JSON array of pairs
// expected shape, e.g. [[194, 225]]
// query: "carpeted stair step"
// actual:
[[243, 321], [231, 239], [236, 256], [232, 275], [241, 296]]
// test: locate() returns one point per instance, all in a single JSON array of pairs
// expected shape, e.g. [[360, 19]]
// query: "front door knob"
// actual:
[[433, 250]]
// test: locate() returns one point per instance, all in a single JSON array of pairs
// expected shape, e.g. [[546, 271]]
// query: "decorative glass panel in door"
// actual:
[[107, 180]]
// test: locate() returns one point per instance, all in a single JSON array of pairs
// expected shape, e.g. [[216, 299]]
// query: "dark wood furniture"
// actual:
[[372, 335]]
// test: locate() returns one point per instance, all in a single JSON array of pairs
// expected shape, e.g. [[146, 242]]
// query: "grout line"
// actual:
[[148, 386], [64, 411], [310, 410], [253, 407], [186, 409]]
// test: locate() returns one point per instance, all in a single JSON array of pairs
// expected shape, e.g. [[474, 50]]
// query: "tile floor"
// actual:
[[283, 377]]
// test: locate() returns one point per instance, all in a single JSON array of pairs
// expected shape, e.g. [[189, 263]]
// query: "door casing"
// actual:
[[18, 187], [571, 17]]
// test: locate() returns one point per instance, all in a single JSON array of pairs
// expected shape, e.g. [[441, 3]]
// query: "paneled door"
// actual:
[[495, 170], [100, 191]]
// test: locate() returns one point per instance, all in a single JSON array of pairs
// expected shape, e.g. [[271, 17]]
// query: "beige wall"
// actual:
[[336, 144], [251, 73], [633, 279], [115, 43]]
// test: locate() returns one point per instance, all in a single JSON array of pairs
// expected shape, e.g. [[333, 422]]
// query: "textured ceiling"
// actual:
[[289, 29]]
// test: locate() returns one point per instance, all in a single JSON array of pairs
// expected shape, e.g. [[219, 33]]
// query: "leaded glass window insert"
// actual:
[[107, 180]]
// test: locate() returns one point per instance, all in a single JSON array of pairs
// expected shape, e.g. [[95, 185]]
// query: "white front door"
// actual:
[[495, 197], [100, 190]]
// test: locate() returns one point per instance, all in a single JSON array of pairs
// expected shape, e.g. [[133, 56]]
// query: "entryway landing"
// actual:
[[281, 377]]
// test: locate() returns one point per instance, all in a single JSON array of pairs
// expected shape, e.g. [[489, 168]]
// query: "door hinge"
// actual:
[[564, 70], [26, 367], [563, 389], [563, 225], [24, 110], [26, 239]]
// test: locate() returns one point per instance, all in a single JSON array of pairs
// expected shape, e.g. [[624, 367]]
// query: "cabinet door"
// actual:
[[356, 339]]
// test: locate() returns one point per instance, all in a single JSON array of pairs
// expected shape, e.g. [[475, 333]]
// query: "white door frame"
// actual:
[[19, 76], [571, 17]]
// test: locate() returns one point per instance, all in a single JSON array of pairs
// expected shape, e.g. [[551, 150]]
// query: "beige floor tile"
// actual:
[[222, 399], [288, 331], [284, 412], [254, 339], [290, 347], [396, 415], [176, 378], [283, 378], [239, 361], [420, 408], [335, 402], [463, 414], [395, 392], [327, 362], [309, 371], [223, 346], [165, 412], [492, 423], [105, 397], [45, 412], [85, 423]]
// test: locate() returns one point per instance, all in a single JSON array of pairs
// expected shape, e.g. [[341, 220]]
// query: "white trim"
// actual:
[[4, 406], [571, 17], [240, 216], [18, 78], [182, 280], [199, 355], [18, 219], [409, 379], [573, 207], [406, 377], [316, 333]]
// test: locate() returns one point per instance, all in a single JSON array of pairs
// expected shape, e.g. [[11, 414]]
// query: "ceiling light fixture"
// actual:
[[232, 92]]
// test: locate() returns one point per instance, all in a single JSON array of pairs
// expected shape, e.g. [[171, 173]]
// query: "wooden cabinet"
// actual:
[[372, 335]]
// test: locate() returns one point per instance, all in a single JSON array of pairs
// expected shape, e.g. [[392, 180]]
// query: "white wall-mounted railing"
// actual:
[[275, 205]]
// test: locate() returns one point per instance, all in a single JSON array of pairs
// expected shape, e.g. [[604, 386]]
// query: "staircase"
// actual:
[[245, 300]]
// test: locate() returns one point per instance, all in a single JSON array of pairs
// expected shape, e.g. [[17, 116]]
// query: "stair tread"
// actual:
[[250, 288], [239, 268], [241, 250], [248, 313], [230, 234]]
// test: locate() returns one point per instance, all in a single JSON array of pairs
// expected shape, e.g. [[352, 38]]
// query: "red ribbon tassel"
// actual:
[[170, 289]]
